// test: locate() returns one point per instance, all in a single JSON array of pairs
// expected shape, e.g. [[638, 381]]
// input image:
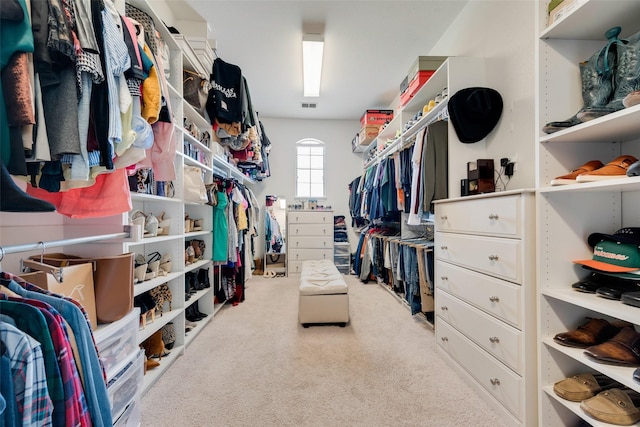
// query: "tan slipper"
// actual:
[[583, 386], [615, 406]]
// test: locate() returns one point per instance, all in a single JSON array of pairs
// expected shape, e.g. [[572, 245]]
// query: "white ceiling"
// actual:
[[369, 47]]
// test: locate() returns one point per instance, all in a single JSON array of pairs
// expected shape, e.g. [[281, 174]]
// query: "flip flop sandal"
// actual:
[[615, 406], [583, 386]]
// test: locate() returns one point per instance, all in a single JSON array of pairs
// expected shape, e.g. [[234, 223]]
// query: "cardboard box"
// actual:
[[561, 10], [414, 86], [368, 134], [376, 117], [425, 63], [553, 4]]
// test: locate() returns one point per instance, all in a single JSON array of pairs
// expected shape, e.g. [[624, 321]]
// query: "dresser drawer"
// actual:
[[497, 297], [310, 254], [310, 230], [495, 377], [316, 217], [495, 256], [495, 216], [501, 340], [316, 242]]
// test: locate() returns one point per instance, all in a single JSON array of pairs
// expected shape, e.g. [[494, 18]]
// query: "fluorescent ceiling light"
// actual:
[[312, 49]]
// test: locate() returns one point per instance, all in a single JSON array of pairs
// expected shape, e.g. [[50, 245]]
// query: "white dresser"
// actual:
[[485, 298], [309, 237]]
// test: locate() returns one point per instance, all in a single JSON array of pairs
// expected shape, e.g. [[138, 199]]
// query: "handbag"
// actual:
[[195, 89], [72, 281], [112, 282], [194, 190]]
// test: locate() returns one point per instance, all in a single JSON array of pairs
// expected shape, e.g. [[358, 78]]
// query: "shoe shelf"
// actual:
[[615, 127], [140, 288], [158, 322], [567, 214], [621, 374], [154, 374], [552, 398], [193, 333], [196, 265], [602, 307]]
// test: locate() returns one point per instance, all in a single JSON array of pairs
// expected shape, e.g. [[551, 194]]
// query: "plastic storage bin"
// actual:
[[340, 249], [117, 341], [125, 387], [131, 416]]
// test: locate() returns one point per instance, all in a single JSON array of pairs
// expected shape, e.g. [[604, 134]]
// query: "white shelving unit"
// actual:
[[454, 74], [566, 215]]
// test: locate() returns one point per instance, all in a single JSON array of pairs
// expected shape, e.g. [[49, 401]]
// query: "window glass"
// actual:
[[310, 168]]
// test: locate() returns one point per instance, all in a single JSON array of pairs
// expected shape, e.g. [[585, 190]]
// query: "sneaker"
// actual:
[[616, 168], [570, 178]]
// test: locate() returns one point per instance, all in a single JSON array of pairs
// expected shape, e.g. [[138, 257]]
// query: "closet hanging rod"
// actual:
[[12, 249]]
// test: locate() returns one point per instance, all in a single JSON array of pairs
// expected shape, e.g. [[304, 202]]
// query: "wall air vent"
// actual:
[[309, 104]]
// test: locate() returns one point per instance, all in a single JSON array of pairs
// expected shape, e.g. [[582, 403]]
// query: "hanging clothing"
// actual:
[[220, 228], [90, 367]]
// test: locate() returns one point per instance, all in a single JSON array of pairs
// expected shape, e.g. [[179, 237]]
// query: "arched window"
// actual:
[[310, 168]]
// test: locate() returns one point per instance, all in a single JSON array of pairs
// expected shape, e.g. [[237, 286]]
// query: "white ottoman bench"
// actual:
[[324, 296]]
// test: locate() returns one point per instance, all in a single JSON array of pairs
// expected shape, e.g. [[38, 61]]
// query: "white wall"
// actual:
[[502, 32], [342, 165]]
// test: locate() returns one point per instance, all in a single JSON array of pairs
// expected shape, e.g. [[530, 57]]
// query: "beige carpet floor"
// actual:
[[255, 365]]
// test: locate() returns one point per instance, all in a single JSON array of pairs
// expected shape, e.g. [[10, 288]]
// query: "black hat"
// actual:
[[474, 112], [624, 235]]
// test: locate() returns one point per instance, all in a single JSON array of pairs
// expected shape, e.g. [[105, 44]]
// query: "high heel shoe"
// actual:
[[165, 263], [140, 269], [151, 226], [154, 264], [163, 225]]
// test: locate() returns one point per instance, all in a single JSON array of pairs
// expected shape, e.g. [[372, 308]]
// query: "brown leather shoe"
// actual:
[[583, 386], [615, 406], [623, 349], [594, 331]]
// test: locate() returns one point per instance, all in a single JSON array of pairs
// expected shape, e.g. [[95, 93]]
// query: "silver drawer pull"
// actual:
[[444, 248], [444, 308], [444, 278], [493, 216], [444, 217], [444, 339], [495, 381], [493, 257], [494, 299], [494, 339], [297, 244]]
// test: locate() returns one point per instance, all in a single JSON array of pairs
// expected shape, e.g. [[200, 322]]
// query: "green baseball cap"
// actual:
[[613, 257]]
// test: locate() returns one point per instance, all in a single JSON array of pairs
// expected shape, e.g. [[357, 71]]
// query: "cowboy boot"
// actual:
[[597, 87], [626, 78]]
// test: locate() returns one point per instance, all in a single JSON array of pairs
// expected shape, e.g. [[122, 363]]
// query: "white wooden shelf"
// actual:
[[568, 214]]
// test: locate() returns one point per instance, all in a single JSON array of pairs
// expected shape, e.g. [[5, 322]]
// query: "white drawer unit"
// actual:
[[311, 242], [500, 218], [309, 237], [485, 299], [496, 297]]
